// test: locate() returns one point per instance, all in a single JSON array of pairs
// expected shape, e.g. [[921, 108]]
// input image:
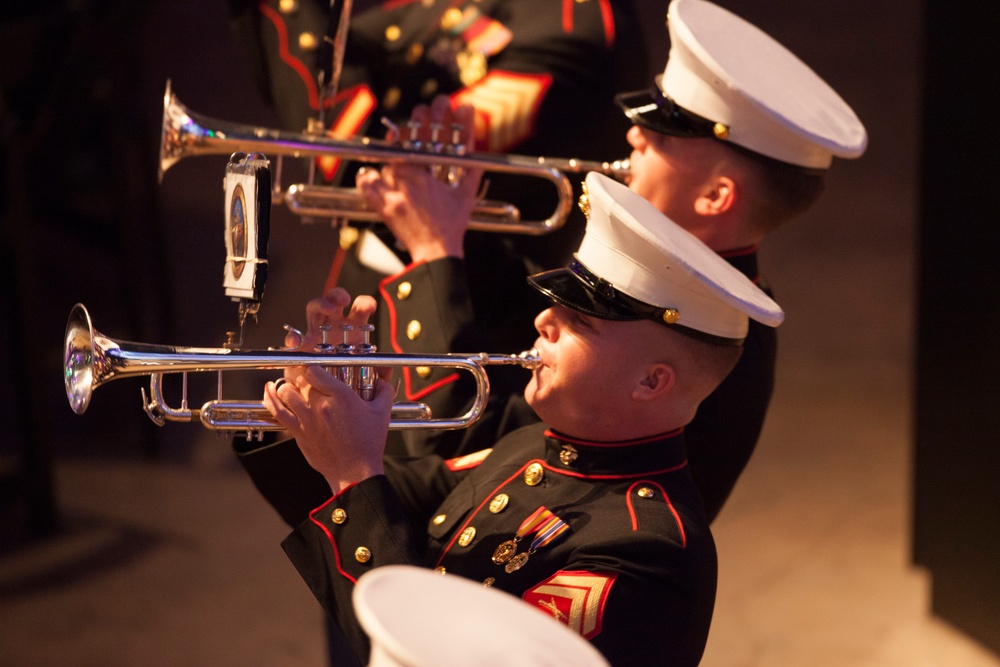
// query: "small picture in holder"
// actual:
[[248, 209]]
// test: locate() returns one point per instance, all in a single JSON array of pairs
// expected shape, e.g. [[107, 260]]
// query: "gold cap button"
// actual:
[[720, 131], [534, 474], [645, 492], [439, 569], [308, 41], [465, 539], [670, 316], [451, 18], [403, 290], [499, 503], [439, 519], [362, 554], [339, 516], [568, 454], [488, 581], [288, 6], [413, 330], [392, 33], [423, 371]]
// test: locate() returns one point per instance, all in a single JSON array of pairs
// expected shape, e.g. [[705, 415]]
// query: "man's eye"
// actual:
[[584, 322]]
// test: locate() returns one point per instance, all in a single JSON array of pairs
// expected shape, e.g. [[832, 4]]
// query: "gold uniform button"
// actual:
[[423, 372], [362, 554], [499, 503], [308, 41], [645, 492], [288, 6], [451, 18], [339, 516], [568, 455], [391, 98], [534, 474], [392, 33], [403, 290], [413, 330], [465, 539], [439, 519], [414, 54], [348, 236], [429, 88]]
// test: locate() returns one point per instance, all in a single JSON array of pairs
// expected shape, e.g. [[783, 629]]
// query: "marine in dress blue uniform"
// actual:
[[607, 536], [740, 94], [541, 77]]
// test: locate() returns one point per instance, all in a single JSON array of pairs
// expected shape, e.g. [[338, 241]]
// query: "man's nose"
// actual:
[[546, 325], [635, 137]]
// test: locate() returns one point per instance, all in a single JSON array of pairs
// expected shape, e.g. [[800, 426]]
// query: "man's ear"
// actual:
[[659, 379], [718, 197]]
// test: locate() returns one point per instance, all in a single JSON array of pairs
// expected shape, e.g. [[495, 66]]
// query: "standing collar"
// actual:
[[625, 458]]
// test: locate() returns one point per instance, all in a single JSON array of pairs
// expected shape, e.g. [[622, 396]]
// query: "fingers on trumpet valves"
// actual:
[[362, 379]]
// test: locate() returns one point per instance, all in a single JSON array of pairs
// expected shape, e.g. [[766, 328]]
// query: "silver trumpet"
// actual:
[[91, 359], [186, 134]]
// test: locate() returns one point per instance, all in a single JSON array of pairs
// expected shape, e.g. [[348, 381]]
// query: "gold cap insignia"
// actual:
[[584, 202]]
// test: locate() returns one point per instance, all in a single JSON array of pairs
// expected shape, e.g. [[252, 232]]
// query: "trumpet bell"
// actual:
[[78, 360]]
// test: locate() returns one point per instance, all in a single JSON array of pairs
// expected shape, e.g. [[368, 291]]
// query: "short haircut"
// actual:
[[702, 365], [776, 191]]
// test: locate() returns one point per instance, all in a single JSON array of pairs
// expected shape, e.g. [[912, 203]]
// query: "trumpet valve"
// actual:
[[367, 377], [456, 147], [347, 374], [413, 141], [324, 345]]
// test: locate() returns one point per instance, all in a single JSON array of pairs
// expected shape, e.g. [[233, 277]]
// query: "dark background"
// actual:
[[880, 448]]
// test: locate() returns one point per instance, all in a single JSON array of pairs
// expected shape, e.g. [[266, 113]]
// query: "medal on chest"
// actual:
[[542, 523]]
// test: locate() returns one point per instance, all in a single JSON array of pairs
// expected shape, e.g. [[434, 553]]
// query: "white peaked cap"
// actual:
[[636, 263], [730, 72], [416, 617]]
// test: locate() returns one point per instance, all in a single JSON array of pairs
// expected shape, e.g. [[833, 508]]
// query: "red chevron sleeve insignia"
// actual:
[[575, 598], [507, 105]]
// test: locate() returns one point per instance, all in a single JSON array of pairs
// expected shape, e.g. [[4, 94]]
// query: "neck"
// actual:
[[721, 236]]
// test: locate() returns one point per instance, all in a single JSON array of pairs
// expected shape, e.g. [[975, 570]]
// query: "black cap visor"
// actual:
[[577, 288], [565, 288], [653, 110]]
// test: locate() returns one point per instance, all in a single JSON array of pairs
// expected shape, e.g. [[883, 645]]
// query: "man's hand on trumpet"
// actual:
[[427, 210], [341, 435]]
